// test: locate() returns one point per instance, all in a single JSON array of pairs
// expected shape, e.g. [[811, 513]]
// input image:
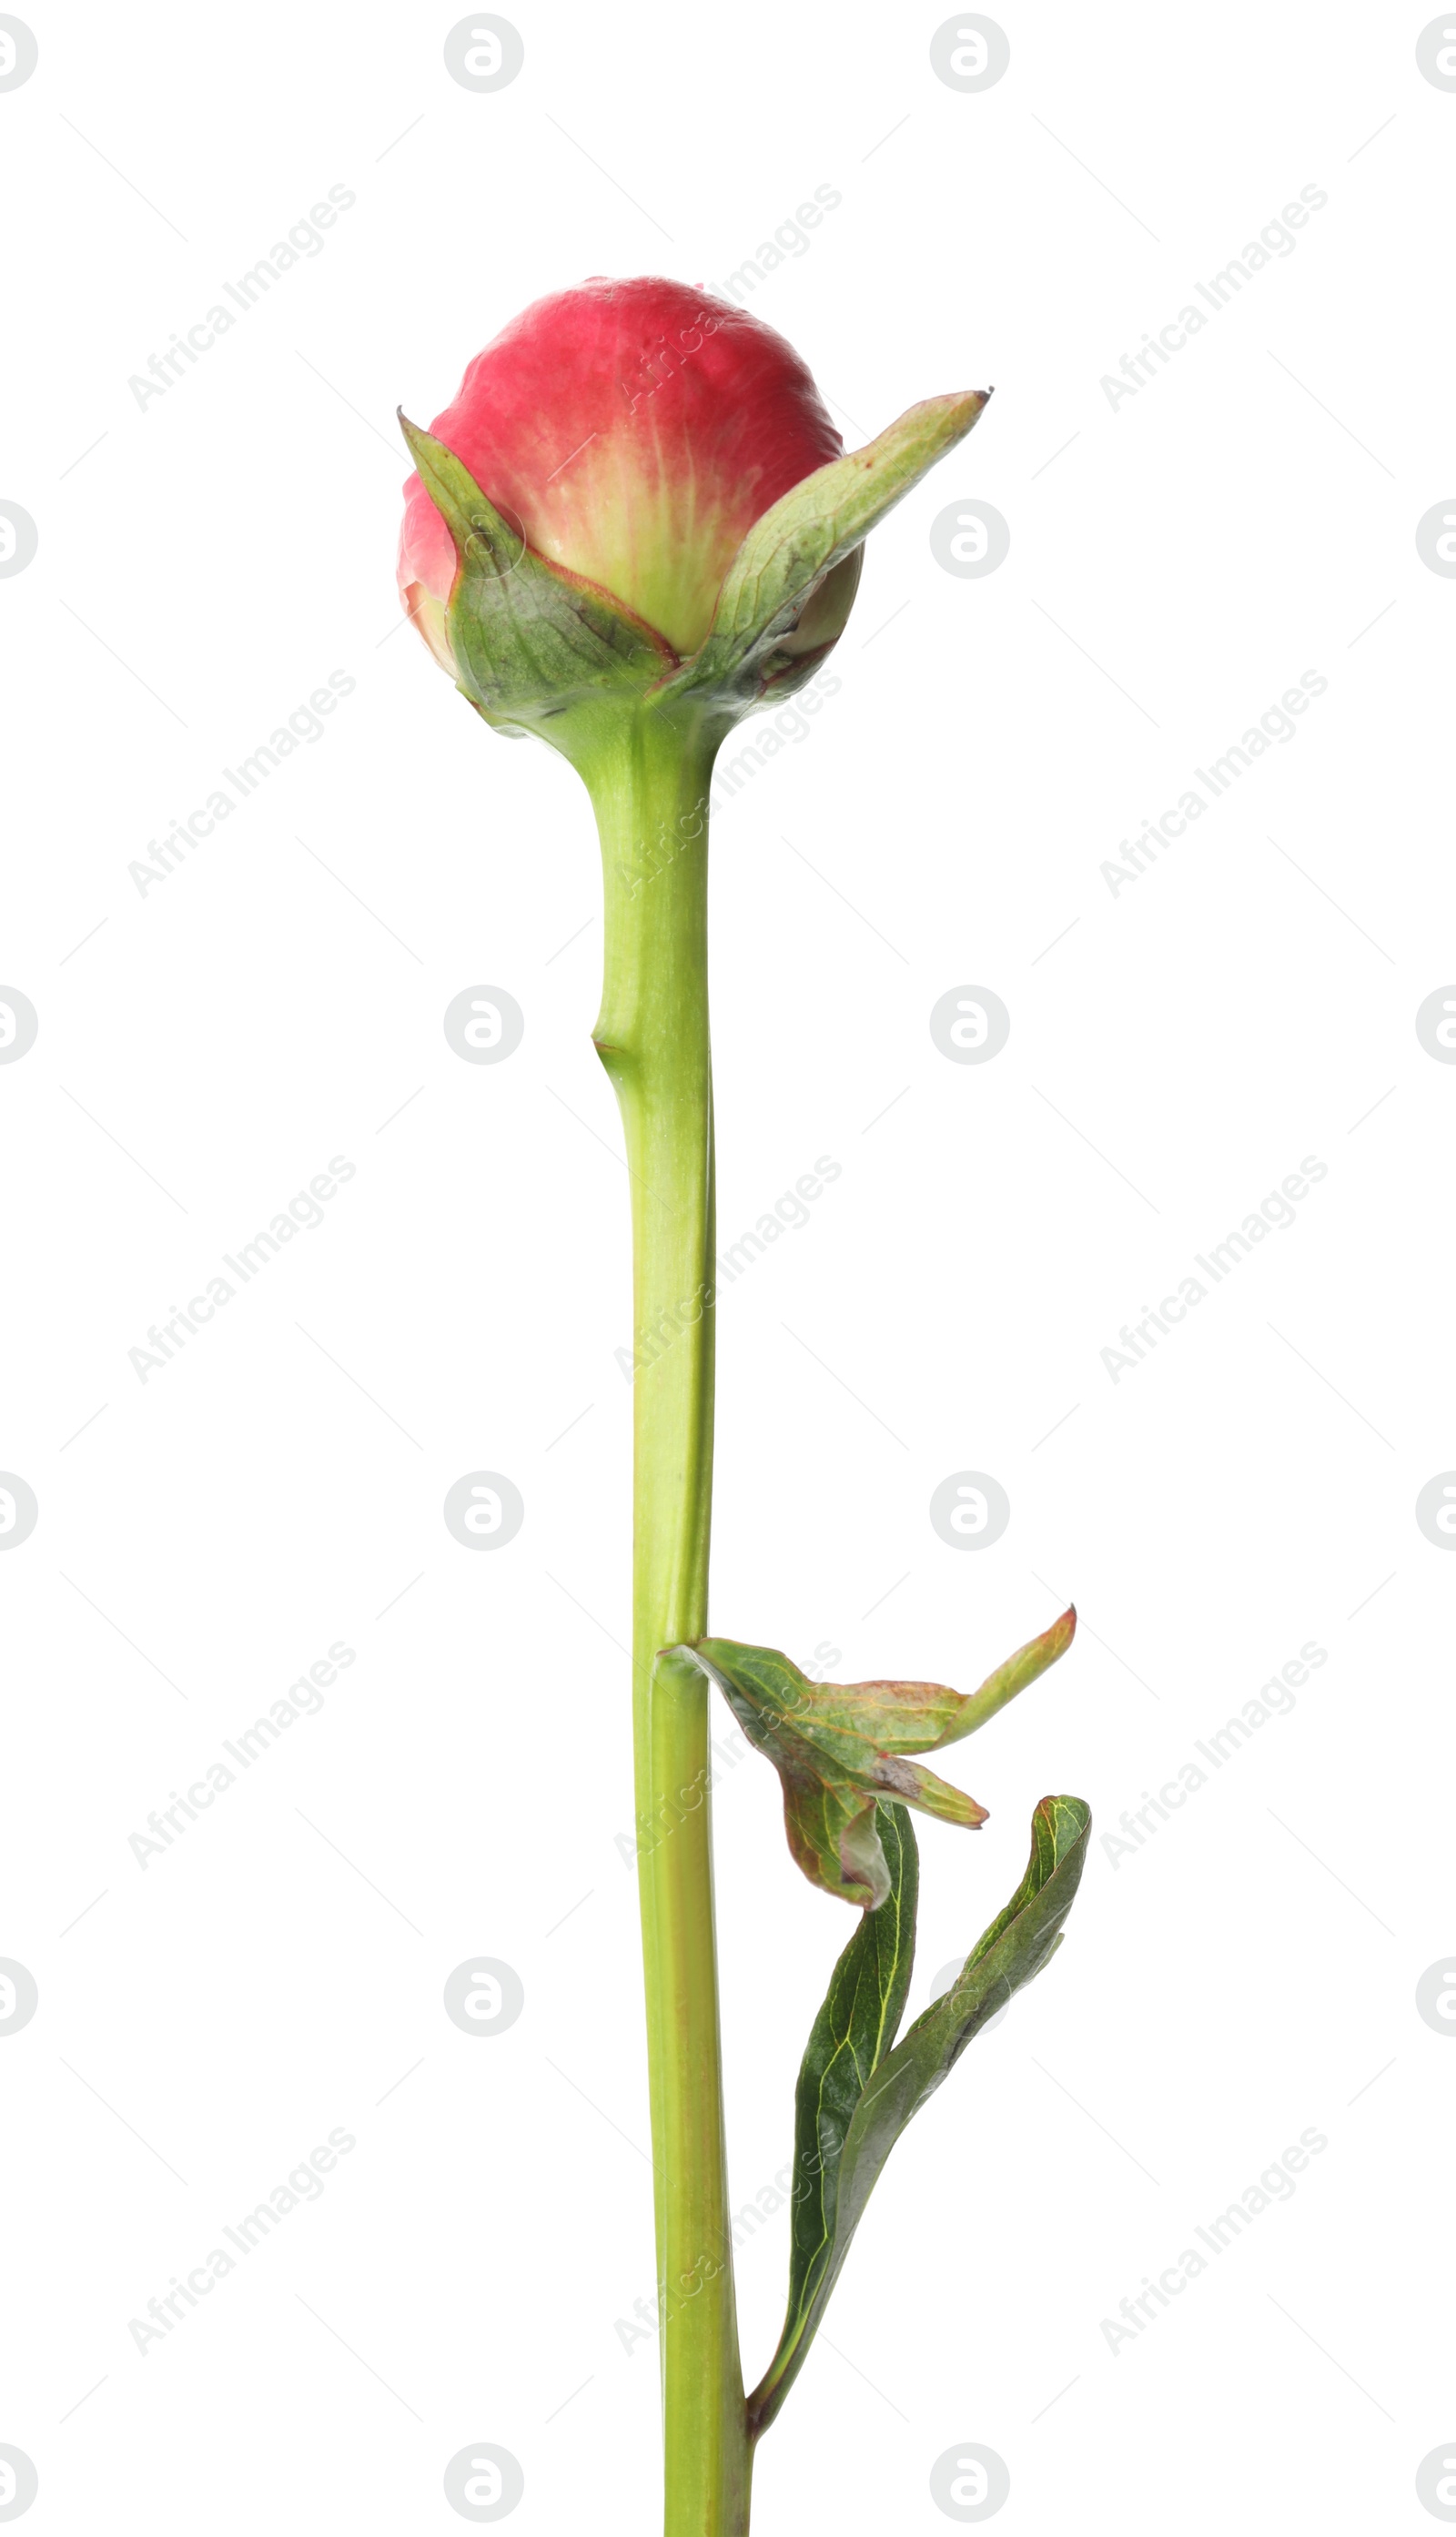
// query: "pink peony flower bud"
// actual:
[[633, 431], [637, 506]]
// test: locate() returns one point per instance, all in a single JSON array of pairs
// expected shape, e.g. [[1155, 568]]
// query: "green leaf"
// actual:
[[849, 2038], [529, 638], [837, 1749], [787, 554], [1018, 1943]]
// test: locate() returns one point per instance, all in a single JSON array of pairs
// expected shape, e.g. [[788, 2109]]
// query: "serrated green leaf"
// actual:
[[529, 638], [838, 1747], [1018, 1945], [783, 564]]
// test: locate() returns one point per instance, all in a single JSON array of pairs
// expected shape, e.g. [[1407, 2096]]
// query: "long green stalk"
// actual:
[[649, 784]]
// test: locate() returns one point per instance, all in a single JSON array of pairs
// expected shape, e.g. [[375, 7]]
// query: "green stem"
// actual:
[[649, 779]]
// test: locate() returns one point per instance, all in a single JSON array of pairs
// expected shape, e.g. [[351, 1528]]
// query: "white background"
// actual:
[[1176, 562]]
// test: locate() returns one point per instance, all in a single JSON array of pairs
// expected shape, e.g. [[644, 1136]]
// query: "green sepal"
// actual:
[[1020, 1942], [529, 639], [763, 631], [839, 1747]]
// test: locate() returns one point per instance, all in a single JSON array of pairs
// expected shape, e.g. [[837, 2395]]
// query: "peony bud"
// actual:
[[638, 491], [636, 430]]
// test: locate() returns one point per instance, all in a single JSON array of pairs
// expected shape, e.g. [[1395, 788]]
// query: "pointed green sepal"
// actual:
[[529, 639], [1020, 1942], [763, 633]]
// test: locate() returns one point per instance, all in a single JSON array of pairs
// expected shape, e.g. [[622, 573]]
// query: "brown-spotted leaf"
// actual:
[[839, 1748]]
